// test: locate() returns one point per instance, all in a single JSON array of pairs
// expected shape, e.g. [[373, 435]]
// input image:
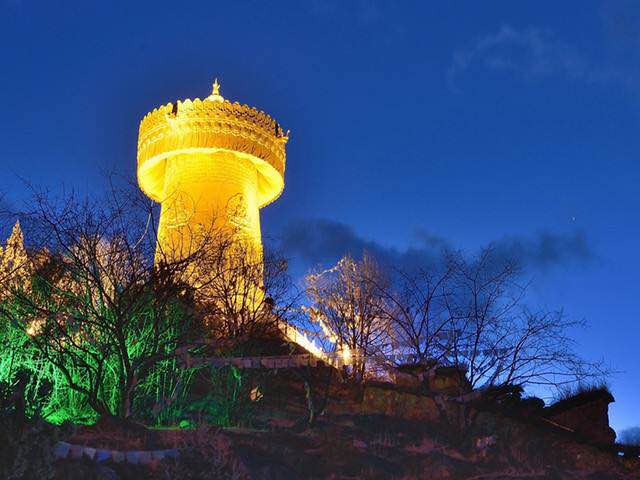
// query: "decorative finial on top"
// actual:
[[215, 95]]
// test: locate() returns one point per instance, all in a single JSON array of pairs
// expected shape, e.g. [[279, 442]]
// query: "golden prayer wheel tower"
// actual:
[[210, 163]]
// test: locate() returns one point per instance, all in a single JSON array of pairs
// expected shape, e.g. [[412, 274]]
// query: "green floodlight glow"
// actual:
[[159, 394], [162, 395], [17, 354]]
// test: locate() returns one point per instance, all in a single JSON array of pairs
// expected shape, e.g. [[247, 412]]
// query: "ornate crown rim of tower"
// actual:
[[209, 126]]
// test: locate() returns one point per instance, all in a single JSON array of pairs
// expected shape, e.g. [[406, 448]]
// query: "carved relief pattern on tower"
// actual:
[[181, 208]]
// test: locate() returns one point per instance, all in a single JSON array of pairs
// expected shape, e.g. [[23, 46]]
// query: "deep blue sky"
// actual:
[[413, 124]]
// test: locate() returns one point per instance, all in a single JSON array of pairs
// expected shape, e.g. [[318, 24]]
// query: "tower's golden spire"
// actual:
[[215, 94]]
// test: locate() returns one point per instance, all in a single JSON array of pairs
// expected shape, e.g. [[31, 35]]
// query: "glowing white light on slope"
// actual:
[[346, 355]]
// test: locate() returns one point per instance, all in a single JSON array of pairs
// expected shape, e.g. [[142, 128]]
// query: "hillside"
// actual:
[[379, 431]]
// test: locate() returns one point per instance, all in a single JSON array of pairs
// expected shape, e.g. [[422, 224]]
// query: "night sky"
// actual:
[[413, 125]]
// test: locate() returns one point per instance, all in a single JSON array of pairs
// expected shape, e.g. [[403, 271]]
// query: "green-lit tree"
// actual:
[[95, 308]]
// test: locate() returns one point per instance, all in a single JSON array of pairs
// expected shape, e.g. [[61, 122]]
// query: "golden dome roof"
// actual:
[[208, 126]]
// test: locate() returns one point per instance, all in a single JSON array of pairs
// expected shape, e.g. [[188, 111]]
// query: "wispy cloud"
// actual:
[[322, 242], [530, 53], [546, 249]]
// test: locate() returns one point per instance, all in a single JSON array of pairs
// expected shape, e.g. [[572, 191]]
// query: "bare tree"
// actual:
[[417, 306], [495, 336], [247, 296], [467, 312], [350, 309], [97, 305]]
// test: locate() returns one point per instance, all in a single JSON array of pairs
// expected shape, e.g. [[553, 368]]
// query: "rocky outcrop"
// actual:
[[586, 414], [434, 378], [378, 399]]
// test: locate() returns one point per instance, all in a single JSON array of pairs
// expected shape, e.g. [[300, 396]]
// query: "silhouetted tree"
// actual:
[[417, 305], [467, 312], [96, 305], [498, 338]]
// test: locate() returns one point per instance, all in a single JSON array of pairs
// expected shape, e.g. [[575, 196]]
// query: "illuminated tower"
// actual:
[[213, 163], [210, 163]]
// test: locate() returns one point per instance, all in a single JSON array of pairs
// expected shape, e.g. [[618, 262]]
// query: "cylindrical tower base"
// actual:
[[207, 195]]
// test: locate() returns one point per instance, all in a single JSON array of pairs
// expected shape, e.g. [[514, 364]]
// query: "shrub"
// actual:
[[26, 440], [206, 456], [227, 402]]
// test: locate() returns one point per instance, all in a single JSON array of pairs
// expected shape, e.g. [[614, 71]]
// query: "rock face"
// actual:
[[436, 379], [448, 380], [587, 414], [398, 403]]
